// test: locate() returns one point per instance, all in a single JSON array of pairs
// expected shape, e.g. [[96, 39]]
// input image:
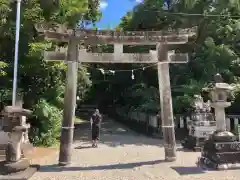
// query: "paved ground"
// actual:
[[125, 155]]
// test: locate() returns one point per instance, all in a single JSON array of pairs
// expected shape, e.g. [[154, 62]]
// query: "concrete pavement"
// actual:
[[125, 155]]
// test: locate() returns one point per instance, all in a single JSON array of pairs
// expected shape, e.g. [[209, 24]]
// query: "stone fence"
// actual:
[[147, 123], [150, 121]]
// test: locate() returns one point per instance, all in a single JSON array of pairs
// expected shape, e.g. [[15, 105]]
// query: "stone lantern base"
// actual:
[[220, 150], [193, 143], [14, 167], [17, 171]]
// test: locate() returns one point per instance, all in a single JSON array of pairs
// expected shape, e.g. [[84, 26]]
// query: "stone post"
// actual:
[[220, 116], [25, 138]]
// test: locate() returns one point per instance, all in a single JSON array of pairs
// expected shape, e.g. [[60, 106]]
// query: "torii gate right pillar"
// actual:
[[166, 102]]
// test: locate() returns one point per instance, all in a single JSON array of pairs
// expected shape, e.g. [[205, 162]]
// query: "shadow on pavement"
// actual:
[[185, 150], [56, 168], [188, 170], [83, 147]]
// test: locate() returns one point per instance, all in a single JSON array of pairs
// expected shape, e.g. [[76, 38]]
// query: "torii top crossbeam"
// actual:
[[178, 36]]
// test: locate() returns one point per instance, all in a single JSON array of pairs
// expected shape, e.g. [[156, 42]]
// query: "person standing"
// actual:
[[95, 121], [159, 123]]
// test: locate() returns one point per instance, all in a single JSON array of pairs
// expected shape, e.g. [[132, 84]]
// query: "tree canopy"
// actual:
[[214, 49]]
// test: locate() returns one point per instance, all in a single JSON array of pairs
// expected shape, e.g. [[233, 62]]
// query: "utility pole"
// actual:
[[166, 102], [69, 103]]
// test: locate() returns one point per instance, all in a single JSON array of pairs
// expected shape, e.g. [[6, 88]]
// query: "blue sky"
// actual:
[[113, 11]]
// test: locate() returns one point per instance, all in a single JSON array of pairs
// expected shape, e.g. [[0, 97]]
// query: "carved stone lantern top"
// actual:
[[219, 84], [13, 118], [17, 110], [220, 90]]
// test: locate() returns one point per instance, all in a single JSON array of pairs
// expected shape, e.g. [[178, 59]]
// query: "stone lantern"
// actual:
[[15, 127], [219, 95], [221, 148]]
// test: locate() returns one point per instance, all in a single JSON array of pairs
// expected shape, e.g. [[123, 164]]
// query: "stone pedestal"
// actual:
[[14, 162], [13, 151], [220, 150], [14, 167]]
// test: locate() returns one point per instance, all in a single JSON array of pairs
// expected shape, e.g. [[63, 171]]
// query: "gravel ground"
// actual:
[[125, 155]]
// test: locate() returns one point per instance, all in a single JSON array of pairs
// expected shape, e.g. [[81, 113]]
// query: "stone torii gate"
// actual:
[[74, 55]]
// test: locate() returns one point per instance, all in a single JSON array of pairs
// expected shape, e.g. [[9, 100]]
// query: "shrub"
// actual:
[[46, 124]]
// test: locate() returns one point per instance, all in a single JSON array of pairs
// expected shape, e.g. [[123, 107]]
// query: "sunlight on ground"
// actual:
[[79, 120]]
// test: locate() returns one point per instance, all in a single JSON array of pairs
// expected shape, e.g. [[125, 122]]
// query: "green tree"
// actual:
[[41, 83]]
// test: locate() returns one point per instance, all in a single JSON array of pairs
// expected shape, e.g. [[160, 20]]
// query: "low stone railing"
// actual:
[[181, 121]]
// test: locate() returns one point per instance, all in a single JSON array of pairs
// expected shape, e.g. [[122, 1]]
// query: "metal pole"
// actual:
[[14, 92]]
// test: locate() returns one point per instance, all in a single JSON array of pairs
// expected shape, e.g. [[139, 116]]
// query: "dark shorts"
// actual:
[[95, 133]]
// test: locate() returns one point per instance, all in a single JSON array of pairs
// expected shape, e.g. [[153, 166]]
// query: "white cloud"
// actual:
[[139, 1], [103, 5]]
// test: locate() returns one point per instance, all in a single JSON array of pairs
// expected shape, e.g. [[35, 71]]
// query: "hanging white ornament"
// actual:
[[102, 71], [171, 53], [111, 71], [132, 75]]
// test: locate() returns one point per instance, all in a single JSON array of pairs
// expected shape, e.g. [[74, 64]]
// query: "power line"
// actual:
[[168, 4], [190, 14], [195, 14]]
